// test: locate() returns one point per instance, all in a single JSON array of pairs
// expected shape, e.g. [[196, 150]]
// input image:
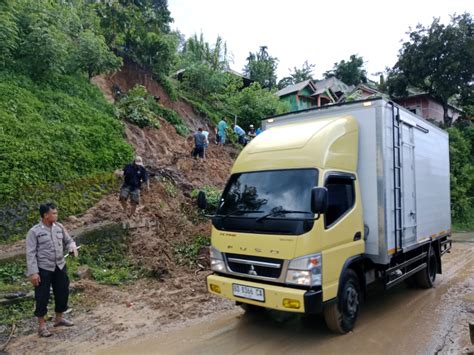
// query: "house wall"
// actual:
[[426, 108], [298, 101]]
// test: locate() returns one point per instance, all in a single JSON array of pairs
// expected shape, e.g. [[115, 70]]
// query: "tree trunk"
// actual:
[[448, 121]]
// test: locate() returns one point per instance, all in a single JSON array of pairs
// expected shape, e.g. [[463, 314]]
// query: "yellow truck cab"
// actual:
[[327, 201]]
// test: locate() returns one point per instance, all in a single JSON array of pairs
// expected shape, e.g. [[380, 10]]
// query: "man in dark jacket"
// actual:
[[134, 175]]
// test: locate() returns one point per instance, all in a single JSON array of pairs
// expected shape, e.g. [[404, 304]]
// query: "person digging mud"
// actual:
[[45, 246], [134, 175]]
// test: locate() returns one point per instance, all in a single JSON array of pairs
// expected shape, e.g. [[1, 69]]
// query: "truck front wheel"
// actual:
[[341, 316], [250, 308]]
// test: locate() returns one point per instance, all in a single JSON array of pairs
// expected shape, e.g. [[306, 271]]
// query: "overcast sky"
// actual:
[[322, 32]]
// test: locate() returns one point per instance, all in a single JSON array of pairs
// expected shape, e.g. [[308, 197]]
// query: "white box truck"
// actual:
[[327, 201]]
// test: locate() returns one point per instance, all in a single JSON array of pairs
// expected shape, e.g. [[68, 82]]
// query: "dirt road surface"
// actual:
[[401, 320]]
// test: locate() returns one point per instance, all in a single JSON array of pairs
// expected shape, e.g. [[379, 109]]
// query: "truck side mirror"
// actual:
[[201, 200], [319, 200]]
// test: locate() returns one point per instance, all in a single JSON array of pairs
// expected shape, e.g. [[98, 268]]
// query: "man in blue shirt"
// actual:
[[134, 174], [221, 127], [241, 133], [199, 144]]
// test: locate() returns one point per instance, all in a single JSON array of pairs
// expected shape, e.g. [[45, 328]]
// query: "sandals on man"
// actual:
[[63, 323], [44, 332]]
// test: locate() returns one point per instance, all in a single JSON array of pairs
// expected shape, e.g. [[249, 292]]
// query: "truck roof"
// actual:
[[330, 142]]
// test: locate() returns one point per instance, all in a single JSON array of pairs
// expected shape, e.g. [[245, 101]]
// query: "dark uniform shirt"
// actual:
[[134, 175]]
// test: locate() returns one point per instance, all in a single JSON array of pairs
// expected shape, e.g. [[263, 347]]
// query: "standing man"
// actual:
[[251, 133], [45, 245], [206, 143], [240, 133], [134, 175], [221, 127], [199, 143]]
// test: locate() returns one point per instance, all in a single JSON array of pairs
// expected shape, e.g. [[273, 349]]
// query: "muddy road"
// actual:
[[401, 320]]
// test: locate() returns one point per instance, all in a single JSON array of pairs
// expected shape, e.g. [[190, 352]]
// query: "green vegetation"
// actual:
[[136, 107], [170, 188], [12, 276], [187, 253], [438, 60], [461, 149], [298, 75], [261, 67], [105, 253], [141, 109], [60, 141], [13, 279], [213, 197], [350, 72]]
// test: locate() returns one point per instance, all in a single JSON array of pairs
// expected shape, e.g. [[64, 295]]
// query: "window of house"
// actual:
[[341, 197]]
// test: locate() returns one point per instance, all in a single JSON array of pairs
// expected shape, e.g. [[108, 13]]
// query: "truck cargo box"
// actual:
[[403, 171]]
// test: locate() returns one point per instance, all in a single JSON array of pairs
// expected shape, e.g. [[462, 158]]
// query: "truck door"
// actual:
[[408, 185]]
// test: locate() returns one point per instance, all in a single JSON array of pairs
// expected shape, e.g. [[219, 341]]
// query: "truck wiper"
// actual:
[[236, 213], [278, 213]]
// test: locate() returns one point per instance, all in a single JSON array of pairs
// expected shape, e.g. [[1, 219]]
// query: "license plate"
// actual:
[[252, 293]]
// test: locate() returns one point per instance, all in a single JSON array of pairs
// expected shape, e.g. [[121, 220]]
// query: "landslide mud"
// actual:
[[401, 320]]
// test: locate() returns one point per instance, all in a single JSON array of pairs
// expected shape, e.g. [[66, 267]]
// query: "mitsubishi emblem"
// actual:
[[252, 271]]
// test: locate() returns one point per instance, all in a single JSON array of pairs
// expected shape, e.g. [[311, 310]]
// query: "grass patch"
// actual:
[[12, 277], [170, 188], [187, 254], [104, 252], [15, 312], [213, 197]]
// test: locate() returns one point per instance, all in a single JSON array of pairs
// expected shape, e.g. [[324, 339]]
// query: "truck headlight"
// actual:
[[305, 271], [217, 260]]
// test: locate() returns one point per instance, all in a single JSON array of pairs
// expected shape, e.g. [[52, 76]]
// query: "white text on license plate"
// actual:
[[253, 293]]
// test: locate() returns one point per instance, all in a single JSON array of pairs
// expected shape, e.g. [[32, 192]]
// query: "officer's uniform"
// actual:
[[45, 256]]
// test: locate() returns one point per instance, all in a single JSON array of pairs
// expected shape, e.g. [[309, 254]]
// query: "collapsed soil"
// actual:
[[166, 217]]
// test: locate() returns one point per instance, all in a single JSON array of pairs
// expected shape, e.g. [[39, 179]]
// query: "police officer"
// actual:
[[45, 246]]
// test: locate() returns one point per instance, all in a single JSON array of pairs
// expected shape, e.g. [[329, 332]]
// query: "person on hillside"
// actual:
[[221, 127], [134, 175], [218, 138], [46, 267], [206, 143], [199, 143], [240, 133], [251, 133]]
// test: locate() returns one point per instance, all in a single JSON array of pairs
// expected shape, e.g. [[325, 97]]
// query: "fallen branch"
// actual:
[[4, 346]]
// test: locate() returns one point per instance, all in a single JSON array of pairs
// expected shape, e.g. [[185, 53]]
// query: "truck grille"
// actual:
[[254, 266]]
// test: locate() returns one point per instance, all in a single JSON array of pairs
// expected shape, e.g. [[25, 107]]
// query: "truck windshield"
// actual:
[[283, 197]]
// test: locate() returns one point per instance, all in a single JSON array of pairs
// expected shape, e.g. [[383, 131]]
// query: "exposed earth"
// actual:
[[178, 316], [173, 313]]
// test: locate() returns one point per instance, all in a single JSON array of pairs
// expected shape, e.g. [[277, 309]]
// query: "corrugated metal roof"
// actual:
[[332, 83], [294, 88]]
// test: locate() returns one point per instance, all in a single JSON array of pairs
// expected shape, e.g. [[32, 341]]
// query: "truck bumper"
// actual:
[[275, 297]]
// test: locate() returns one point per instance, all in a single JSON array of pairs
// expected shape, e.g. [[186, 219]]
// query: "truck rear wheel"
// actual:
[[341, 316], [426, 277]]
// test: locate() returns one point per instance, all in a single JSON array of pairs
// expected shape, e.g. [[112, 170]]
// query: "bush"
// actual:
[[187, 254], [213, 197], [171, 117], [461, 149], [136, 107]]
